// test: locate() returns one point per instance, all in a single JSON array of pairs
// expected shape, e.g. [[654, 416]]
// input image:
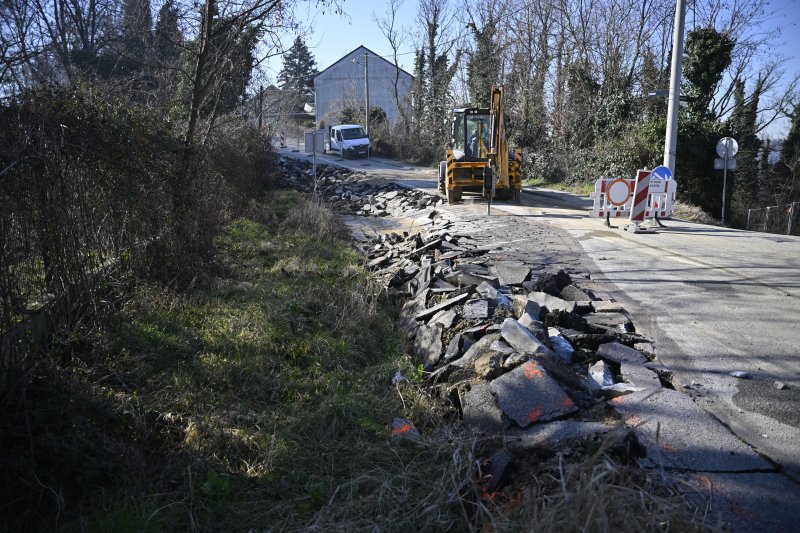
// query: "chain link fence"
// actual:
[[784, 219]]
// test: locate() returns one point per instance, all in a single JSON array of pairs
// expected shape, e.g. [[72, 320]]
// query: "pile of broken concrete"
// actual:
[[512, 349], [518, 350]]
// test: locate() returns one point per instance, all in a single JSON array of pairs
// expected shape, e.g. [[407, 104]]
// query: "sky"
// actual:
[[331, 36]]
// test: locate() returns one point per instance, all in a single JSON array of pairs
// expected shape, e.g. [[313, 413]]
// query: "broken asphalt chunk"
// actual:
[[403, 428], [521, 339], [480, 411], [428, 344], [555, 435], [619, 353], [552, 303], [444, 305], [476, 309], [561, 346], [528, 394]]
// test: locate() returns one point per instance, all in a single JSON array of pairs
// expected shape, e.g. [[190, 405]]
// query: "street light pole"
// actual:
[[366, 95], [671, 141]]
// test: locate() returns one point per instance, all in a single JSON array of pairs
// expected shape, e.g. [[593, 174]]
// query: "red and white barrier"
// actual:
[[640, 195], [613, 198]]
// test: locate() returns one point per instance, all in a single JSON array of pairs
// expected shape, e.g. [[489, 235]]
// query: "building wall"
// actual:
[[342, 85]]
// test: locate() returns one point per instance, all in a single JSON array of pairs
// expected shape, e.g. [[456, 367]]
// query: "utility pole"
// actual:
[[366, 91], [671, 141]]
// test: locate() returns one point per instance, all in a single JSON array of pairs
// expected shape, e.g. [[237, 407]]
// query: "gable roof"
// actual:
[[373, 54]]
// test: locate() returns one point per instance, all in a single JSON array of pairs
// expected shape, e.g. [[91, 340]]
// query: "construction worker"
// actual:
[[473, 143]]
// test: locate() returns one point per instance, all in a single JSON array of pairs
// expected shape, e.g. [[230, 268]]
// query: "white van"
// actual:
[[349, 140]]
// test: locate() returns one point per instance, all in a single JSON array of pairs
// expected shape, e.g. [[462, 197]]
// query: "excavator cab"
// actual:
[[479, 154], [470, 133]]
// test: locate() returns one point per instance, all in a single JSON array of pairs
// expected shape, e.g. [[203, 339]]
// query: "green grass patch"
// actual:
[[263, 396], [574, 188]]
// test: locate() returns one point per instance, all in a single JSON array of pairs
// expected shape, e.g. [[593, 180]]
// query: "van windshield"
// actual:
[[353, 133]]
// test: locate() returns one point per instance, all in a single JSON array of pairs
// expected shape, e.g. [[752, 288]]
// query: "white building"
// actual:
[[342, 85]]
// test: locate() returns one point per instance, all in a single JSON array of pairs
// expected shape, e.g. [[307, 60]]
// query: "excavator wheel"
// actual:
[[454, 195], [442, 177], [517, 196]]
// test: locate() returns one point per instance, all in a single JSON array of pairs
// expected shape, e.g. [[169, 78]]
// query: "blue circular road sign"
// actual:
[[661, 173]]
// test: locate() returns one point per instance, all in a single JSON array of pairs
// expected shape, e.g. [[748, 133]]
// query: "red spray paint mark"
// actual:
[[531, 370]]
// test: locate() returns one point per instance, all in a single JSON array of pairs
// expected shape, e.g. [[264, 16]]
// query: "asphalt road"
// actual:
[[715, 300]]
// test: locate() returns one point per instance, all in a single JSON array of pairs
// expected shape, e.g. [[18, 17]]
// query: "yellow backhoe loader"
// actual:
[[478, 156]]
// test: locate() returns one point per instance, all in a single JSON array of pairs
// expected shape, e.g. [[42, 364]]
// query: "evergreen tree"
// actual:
[[298, 72], [437, 72], [418, 90], [744, 182], [167, 38], [137, 28], [787, 172], [708, 54], [232, 54], [483, 68]]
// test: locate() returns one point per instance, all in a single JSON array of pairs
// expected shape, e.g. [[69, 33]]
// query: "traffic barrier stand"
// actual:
[[660, 199], [613, 198], [641, 196]]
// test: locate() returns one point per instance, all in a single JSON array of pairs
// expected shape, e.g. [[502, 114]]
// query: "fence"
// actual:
[[783, 219]]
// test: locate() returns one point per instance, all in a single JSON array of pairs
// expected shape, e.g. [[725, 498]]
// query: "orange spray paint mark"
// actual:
[[535, 415], [405, 428], [567, 403], [531, 370]]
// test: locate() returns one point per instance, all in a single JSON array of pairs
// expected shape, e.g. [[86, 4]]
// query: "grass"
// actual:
[[261, 399], [574, 188]]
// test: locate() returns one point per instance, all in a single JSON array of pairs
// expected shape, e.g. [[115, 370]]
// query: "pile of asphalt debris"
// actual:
[[518, 351]]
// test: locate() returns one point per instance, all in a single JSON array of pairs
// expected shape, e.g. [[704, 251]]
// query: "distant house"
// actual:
[[342, 85]]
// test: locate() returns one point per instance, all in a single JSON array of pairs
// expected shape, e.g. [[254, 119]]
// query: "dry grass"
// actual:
[[692, 213]]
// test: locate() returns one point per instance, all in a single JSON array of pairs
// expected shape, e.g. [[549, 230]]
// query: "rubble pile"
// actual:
[[349, 192], [523, 351]]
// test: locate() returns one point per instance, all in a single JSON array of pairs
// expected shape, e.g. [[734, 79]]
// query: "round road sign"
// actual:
[[661, 173], [618, 192], [727, 147]]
